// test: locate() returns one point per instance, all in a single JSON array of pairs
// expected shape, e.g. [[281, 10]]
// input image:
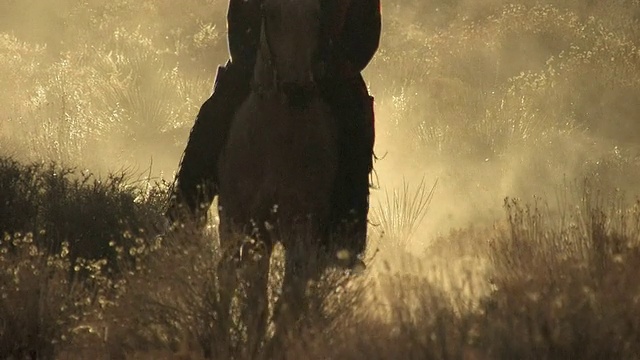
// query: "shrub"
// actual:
[[63, 205], [41, 306], [564, 284]]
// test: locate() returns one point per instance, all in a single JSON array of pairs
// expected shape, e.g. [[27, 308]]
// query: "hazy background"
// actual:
[[493, 98]]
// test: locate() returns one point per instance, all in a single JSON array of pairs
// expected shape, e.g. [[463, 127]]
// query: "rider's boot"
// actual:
[[197, 179]]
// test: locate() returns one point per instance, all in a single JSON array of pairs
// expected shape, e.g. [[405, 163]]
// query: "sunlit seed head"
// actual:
[[343, 255]]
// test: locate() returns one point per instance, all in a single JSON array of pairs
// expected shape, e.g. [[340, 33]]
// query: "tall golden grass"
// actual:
[[494, 98]]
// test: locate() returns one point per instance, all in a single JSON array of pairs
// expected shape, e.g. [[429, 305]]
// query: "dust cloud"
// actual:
[[500, 99], [490, 98]]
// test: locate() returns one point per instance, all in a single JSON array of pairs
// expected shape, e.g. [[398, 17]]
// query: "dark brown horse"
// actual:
[[280, 162]]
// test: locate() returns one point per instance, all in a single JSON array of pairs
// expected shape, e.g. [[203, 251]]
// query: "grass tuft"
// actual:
[[401, 211]]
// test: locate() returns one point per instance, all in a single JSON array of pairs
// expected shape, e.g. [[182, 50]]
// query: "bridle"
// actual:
[[293, 92]]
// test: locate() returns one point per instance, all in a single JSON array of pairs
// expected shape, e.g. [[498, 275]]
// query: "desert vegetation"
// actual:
[[506, 223]]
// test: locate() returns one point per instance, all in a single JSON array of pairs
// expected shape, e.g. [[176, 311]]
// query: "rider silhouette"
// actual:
[[350, 37]]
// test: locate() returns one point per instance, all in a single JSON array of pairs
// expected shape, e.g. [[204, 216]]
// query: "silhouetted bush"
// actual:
[[63, 205]]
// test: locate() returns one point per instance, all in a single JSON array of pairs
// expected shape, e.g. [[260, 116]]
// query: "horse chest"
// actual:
[[279, 156]]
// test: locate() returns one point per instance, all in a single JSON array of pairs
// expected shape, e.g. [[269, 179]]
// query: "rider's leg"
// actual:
[[353, 107], [197, 178]]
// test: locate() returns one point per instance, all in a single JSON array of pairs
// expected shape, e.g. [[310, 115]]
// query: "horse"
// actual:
[[279, 165]]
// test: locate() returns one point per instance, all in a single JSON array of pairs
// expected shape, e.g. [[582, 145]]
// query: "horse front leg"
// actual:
[[255, 310], [227, 270], [292, 302], [290, 306]]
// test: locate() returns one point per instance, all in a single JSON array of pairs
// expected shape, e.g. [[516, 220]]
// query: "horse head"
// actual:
[[289, 47]]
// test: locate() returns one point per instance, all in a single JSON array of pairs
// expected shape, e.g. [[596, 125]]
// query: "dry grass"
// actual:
[[544, 283], [493, 97], [399, 213], [42, 302]]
